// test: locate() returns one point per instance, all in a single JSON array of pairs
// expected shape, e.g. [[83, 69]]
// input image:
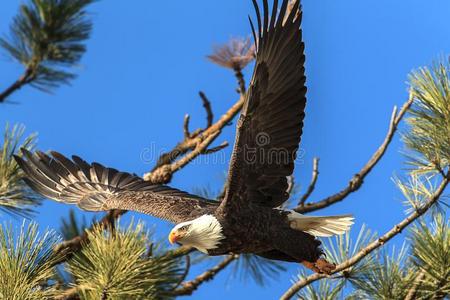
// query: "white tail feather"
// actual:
[[320, 226]]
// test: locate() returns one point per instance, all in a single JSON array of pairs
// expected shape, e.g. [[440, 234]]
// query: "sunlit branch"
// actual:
[[358, 179], [312, 185]]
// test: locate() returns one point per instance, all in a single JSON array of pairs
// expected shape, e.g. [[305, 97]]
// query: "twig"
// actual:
[[207, 106], [216, 149], [185, 273], [198, 142], [413, 291], [26, 78], [241, 80], [374, 245], [358, 179], [187, 134], [312, 185], [190, 148], [189, 287], [181, 251]]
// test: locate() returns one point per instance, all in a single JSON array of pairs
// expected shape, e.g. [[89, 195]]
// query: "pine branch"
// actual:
[[413, 291], [47, 37], [115, 265], [26, 262], [428, 135], [312, 185], [68, 294], [189, 287], [358, 179], [65, 249], [26, 78], [374, 245], [16, 198]]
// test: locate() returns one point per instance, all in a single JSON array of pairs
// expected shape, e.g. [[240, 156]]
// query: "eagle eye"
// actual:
[[184, 228]]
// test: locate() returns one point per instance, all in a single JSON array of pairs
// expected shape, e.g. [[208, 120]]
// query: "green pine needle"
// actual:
[[417, 190], [428, 137], [26, 263], [431, 255], [47, 37], [15, 196], [323, 290], [116, 266], [343, 248], [388, 278]]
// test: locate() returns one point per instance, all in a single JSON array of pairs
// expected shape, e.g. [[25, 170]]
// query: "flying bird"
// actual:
[[249, 219]]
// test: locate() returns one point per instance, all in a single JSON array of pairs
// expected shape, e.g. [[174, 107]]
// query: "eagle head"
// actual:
[[203, 233]]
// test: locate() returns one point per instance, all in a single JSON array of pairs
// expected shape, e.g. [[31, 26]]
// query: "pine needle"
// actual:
[[16, 197]]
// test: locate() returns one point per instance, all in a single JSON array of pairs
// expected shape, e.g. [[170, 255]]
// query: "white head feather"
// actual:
[[204, 233]]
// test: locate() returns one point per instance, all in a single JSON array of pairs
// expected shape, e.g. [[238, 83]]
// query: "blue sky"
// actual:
[[146, 63]]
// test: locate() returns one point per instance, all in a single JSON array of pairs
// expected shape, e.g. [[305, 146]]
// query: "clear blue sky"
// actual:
[[146, 62]]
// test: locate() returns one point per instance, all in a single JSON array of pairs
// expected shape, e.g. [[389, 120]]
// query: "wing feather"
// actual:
[[271, 121], [94, 187]]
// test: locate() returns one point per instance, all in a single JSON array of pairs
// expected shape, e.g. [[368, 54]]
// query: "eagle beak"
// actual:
[[173, 237]]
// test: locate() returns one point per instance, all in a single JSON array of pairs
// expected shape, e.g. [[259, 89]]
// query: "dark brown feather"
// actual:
[[271, 121]]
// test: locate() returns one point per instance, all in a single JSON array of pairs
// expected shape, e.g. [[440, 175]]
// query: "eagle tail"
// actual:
[[320, 226]]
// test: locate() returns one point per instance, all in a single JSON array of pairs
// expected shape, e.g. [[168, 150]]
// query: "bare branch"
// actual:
[[358, 179], [207, 106], [181, 251], [241, 80], [216, 149], [186, 271], [374, 245], [199, 149], [312, 185], [189, 287], [191, 148]]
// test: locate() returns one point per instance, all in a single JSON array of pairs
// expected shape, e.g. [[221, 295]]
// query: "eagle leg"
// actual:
[[320, 266]]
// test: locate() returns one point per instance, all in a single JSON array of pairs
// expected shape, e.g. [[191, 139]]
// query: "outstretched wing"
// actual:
[[271, 121], [94, 187]]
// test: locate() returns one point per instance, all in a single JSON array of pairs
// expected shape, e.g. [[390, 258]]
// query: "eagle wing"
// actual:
[[271, 121], [94, 187]]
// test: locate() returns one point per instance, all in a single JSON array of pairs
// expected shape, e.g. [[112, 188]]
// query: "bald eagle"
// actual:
[[249, 219]]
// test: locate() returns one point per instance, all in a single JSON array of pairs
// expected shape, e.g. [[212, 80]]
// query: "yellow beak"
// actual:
[[173, 237]]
